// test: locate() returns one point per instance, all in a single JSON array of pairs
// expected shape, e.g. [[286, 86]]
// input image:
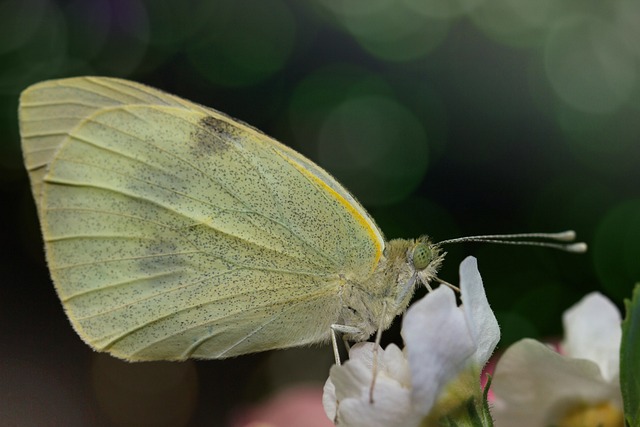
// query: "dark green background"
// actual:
[[490, 116]]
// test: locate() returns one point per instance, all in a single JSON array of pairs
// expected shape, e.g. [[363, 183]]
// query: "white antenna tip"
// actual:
[[578, 248], [566, 236]]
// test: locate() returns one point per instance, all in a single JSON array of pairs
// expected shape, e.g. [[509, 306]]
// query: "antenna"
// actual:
[[515, 239]]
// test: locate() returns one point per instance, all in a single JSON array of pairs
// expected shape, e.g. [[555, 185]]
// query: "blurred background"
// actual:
[[447, 118]]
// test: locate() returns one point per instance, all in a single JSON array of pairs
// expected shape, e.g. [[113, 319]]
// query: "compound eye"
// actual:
[[422, 256]]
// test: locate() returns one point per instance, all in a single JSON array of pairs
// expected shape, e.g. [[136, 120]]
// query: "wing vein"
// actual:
[[212, 178], [117, 284], [201, 324], [279, 205], [133, 258]]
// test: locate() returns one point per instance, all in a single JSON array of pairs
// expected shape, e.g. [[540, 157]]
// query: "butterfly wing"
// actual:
[[173, 231]]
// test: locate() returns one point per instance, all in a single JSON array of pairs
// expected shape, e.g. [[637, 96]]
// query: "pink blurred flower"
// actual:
[[293, 407]]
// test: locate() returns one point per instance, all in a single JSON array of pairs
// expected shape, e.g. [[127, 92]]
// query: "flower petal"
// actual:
[[593, 332], [350, 378], [346, 397], [535, 386], [391, 407], [438, 345], [480, 318], [329, 401], [394, 364]]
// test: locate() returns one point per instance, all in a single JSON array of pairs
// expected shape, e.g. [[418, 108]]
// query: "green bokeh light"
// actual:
[[376, 147], [518, 23], [607, 144], [353, 125], [443, 9], [245, 43], [318, 93], [627, 20], [390, 30], [589, 65]]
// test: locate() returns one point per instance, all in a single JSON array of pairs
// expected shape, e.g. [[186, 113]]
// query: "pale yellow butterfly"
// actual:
[[173, 231]]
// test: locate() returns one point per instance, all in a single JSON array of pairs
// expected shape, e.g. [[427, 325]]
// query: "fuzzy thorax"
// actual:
[[374, 302]]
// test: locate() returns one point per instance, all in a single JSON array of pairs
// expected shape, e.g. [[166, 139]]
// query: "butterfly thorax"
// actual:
[[374, 302]]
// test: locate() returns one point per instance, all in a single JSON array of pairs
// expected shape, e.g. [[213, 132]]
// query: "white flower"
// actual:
[[445, 346], [536, 386]]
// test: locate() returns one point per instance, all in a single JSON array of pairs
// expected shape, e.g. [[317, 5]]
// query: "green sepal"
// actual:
[[473, 413]]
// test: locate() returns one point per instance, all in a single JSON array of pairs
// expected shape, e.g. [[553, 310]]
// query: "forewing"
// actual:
[[49, 110], [173, 231]]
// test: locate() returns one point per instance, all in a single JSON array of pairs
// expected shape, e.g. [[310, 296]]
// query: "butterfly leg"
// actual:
[[374, 373], [340, 329]]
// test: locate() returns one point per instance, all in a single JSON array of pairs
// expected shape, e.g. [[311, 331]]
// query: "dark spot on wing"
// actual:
[[213, 136]]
